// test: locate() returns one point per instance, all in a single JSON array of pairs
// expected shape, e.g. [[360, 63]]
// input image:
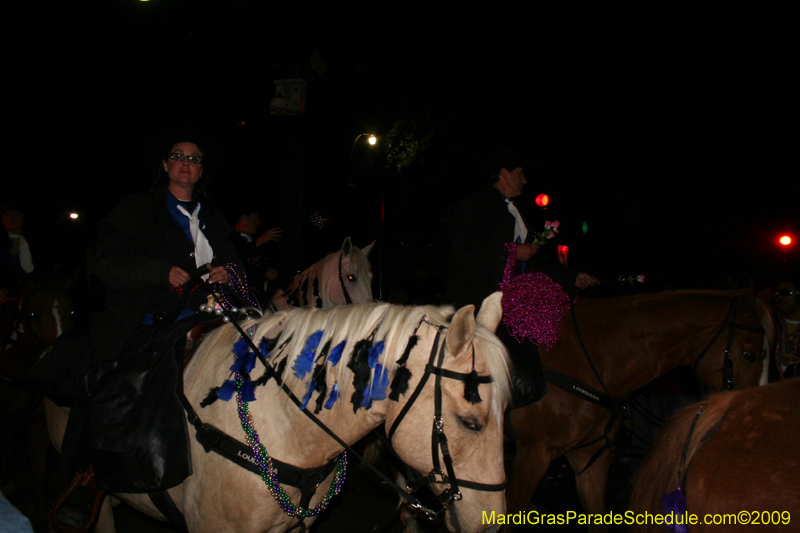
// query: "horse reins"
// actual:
[[615, 405], [590, 394], [727, 365]]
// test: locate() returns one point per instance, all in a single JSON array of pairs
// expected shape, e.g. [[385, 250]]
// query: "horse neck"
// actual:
[[304, 283], [635, 340], [295, 438]]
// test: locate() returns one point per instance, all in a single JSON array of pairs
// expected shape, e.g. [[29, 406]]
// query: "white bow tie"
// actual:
[[520, 230], [202, 249]]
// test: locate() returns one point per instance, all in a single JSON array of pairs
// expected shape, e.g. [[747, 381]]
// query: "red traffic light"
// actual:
[[542, 200], [785, 240]]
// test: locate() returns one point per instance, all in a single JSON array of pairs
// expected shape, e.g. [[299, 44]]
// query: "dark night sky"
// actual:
[[668, 128]]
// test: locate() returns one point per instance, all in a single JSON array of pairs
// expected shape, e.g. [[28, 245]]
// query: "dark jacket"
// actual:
[[477, 227], [138, 244]]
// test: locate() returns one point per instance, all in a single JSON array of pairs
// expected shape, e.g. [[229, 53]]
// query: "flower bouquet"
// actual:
[[550, 229]]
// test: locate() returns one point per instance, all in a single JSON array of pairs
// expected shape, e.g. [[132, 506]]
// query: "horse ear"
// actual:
[[347, 247], [368, 249], [462, 329], [491, 311], [745, 302]]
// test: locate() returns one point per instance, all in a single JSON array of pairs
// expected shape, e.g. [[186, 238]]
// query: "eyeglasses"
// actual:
[[177, 156], [786, 293]]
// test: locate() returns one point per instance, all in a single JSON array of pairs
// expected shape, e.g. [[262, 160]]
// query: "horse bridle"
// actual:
[[438, 438], [347, 298], [727, 365]]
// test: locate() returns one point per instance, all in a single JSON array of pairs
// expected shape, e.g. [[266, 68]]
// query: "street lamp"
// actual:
[[371, 139]]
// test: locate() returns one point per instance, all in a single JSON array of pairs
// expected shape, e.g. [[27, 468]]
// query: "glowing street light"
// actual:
[[73, 215], [371, 139]]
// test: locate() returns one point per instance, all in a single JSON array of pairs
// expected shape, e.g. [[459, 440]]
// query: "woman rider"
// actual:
[[146, 251], [149, 245]]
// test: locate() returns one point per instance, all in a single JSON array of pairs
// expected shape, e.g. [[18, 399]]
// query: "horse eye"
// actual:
[[351, 277], [750, 357], [470, 423]]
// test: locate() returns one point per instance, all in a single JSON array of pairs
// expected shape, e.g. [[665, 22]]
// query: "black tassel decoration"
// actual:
[[279, 370], [399, 386], [210, 398], [323, 353], [402, 375], [263, 379], [359, 364], [321, 387], [412, 341], [471, 382]]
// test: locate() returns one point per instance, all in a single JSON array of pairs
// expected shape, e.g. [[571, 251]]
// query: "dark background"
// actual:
[[670, 128]]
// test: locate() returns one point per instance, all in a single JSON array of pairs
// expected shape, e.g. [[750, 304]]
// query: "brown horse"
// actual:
[[739, 472], [631, 341], [29, 325]]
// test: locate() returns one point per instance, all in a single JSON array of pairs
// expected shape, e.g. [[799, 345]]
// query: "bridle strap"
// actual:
[[341, 282], [725, 323], [727, 364], [438, 437], [423, 380], [459, 376]]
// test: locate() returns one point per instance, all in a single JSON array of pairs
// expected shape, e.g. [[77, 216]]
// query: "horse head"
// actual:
[[460, 376], [339, 278], [347, 275], [46, 314], [742, 340]]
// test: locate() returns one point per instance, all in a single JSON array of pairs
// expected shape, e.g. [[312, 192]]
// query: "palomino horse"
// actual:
[[339, 278], [733, 456], [631, 341], [458, 372]]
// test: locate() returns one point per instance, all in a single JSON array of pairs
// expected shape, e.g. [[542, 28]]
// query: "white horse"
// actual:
[[339, 278], [339, 363]]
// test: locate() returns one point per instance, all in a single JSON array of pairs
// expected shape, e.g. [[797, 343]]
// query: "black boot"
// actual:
[[527, 376]]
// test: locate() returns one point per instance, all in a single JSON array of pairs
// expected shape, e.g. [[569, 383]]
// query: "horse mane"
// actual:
[[658, 473], [375, 322], [313, 272]]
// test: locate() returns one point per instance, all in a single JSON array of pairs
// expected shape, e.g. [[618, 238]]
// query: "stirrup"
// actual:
[[88, 510]]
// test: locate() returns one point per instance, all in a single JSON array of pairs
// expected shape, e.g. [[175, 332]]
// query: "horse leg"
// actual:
[[592, 483]]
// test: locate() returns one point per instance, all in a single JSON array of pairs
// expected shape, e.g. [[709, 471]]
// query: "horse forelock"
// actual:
[[391, 324]]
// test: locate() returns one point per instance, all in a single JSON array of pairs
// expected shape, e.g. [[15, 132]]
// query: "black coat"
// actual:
[[138, 244], [477, 227]]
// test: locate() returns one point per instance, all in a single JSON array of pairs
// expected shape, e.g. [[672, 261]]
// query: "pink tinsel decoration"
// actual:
[[533, 304]]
